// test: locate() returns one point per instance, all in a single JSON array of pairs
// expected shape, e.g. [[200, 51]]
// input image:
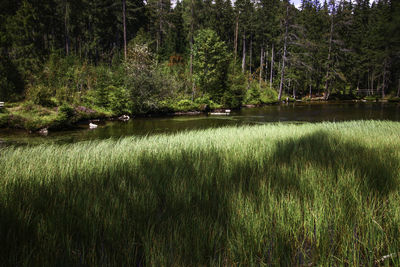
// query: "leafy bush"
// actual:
[[4, 117], [40, 95], [119, 100], [253, 94], [268, 95], [71, 80], [185, 105], [206, 101], [37, 123], [210, 65], [394, 99], [233, 96], [64, 117], [147, 84], [3, 110], [371, 98], [11, 82], [102, 95], [66, 111]]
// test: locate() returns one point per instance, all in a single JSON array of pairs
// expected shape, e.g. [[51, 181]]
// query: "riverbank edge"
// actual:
[[82, 115]]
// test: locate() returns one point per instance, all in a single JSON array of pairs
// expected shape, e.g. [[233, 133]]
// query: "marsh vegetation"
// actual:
[[311, 194]]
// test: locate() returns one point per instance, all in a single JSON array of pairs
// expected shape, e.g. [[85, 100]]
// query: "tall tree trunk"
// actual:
[[158, 38], [310, 92], [384, 78], [160, 26], [251, 53], [124, 23], [328, 65], [266, 64], [279, 65], [284, 55], [191, 47], [272, 66], [372, 82], [236, 37], [261, 63], [66, 28], [80, 47], [244, 53], [398, 89]]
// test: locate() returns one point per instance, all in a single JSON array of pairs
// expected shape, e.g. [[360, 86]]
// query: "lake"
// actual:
[[298, 112]]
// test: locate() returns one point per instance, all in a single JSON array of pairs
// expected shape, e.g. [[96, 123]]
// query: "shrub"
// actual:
[[185, 105], [64, 117], [36, 123], [11, 82], [210, 65], [233, 96], [371, 98], [253, 94], [119, 100], [147, 84], [206, 101], [4, 117], [394, 99], [66, 110], [40, 95]]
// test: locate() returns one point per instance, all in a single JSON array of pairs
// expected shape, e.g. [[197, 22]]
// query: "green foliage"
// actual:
[[210, 65], [36, 123], [268, 95], [23, 30], [66, 111], [185, 105], [40, 95], [233, 96], [64, 116], [205, 102], [146, 82], [30, 116], [72, 81], [72, 51], [256, 95], [119, 101], [4, 118], [142, 38], [11, 82], [394, 99], [371, 98], [253, 94]]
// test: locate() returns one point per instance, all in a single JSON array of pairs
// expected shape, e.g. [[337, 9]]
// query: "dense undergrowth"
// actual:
[[312, 194]]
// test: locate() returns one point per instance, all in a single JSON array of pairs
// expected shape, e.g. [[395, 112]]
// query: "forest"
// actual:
[[293, 158], [137, 56], [109, 57]]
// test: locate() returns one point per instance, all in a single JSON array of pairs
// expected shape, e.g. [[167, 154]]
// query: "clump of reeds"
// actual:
[[311, 194]]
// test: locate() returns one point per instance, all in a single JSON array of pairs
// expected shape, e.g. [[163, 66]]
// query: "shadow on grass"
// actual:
[[173, 210], [375, 168]]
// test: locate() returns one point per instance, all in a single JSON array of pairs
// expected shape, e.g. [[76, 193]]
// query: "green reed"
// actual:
[[310, 194]]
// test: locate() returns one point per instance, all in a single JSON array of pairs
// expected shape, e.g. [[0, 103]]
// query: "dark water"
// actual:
[[291, 113]]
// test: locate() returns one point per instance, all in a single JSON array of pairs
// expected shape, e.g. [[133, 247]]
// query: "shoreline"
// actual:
[[16, 122]]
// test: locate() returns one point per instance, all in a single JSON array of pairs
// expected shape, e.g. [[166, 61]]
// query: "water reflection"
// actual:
[[292, 112]]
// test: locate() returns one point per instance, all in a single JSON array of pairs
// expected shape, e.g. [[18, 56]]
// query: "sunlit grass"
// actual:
[[319, 194]]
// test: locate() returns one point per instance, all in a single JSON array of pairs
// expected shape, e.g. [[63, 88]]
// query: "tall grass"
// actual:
[[311, 194]]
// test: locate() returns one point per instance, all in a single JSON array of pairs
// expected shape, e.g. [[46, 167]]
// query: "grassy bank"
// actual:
[[32, 117], [311, 194]]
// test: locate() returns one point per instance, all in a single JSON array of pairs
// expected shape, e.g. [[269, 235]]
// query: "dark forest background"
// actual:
[[140, 56]]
